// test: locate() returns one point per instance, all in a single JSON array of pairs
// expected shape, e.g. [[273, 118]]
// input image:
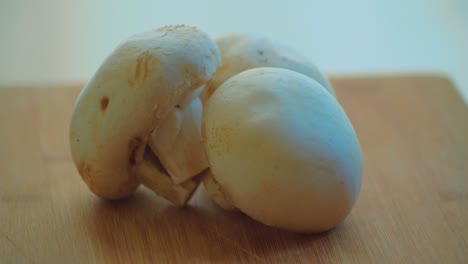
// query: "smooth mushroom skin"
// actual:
[[135, 88], [242, 51], [283, 149]]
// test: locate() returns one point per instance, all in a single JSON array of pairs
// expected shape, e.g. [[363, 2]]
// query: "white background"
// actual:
[[56, 41]]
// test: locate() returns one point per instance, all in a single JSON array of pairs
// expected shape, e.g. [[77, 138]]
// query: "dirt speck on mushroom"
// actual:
[[104, 103]]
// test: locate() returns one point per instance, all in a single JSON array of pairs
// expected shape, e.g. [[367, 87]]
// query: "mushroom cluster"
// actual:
[[248, 116]]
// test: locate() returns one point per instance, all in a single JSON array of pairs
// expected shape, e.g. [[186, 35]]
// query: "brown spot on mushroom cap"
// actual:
[[104, 103], [213, 84], [142, 66], [223, 68]]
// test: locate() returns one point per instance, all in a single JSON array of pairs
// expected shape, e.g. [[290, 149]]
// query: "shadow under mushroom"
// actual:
[[147, 228]]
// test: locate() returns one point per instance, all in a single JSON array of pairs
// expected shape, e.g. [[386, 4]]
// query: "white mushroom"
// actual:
[[283, 150], [144, 93], [240, 52]]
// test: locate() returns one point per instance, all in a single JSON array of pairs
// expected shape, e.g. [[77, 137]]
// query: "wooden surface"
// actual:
[[413, 205]]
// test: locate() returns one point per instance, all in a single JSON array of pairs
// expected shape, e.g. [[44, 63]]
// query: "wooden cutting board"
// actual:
[[413, 205]]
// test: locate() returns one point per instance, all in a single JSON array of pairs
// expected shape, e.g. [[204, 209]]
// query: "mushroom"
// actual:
[[282, 150], [241, 51], [145, 94]]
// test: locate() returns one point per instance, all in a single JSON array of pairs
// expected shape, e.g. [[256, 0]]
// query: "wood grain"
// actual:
[[413, 206]]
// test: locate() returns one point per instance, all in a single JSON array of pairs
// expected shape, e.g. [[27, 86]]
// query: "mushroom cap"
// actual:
[[283, 149], [241, 52], [135, 88]]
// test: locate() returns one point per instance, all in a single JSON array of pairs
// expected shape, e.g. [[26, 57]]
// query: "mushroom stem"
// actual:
[[178, 142], [151, 173]]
